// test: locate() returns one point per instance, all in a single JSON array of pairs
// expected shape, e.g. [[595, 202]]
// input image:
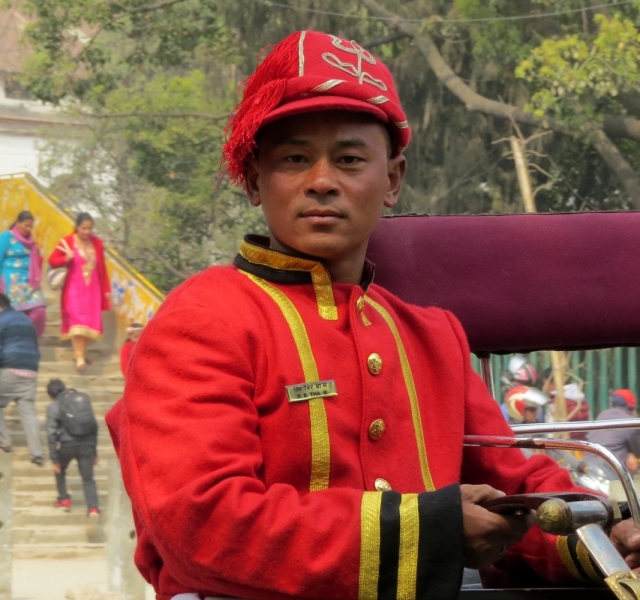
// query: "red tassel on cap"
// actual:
[[263, 92]]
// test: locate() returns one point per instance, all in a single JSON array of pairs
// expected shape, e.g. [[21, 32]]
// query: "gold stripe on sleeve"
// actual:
[[320, 445], [369, 545], [409, 537], [562, 545], [413, 395], [587, 565]]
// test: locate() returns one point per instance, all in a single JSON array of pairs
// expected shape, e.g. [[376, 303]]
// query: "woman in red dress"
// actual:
[[86, 291]]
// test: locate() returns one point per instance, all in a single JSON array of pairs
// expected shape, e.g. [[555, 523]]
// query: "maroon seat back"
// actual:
[[520, 282]]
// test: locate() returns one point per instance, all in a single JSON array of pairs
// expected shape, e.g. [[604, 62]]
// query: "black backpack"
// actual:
[[77, 413]]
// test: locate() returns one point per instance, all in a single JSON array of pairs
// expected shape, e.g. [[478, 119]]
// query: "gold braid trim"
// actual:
[[411, 391], [562, 545], [301, 54], [319, 276], [587, 565], [409, 538], [369, 546], [320, 445]]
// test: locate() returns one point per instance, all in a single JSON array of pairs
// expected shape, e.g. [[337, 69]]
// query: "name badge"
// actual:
[[311, 390]]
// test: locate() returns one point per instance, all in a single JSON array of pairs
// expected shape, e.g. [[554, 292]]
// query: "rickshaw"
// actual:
[[523, 283]]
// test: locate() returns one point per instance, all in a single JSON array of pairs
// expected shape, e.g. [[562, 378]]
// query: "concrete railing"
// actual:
[[134, 298]]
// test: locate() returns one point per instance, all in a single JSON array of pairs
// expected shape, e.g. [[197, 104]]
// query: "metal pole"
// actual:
[[535, 428], [487, 373], [124, 578], [6, 517], [552, 444]]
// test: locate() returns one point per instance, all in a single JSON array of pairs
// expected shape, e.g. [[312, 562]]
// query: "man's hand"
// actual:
[[487, 535], [626, 538], [56, 468]]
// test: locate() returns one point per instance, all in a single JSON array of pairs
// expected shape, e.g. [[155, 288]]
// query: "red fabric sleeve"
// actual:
[[509, 470], [191, 457], [105, 285], [125, 356]]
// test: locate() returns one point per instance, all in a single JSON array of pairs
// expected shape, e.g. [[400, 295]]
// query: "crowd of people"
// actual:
[[529, 398], [85, 283], [78, 269]]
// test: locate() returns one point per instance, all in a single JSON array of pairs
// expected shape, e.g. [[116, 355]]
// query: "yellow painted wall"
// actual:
[[134, 299]]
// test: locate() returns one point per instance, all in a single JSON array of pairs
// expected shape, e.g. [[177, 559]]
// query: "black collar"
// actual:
[[257, 258]]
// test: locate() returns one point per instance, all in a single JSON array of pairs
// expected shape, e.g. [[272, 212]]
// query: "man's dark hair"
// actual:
[[55, 387], [4, 301]]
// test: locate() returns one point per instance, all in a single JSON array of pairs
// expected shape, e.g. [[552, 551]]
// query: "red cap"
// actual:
[[310, 71], [628, 396]]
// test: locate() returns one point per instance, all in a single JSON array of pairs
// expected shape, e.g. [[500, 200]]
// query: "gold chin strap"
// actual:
[[625, 585]]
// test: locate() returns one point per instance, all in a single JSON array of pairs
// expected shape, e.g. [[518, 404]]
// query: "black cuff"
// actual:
[[440, 566]]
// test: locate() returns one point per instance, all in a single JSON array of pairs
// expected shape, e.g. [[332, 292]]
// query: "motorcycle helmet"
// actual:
[[521, 397], [522, 371]]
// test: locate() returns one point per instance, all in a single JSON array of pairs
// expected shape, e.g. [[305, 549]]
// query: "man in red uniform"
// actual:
[[290, 429]]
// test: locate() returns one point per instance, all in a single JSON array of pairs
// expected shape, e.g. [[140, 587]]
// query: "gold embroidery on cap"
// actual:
[[401, 124], [301, 54], [378, 100], [327, 85], [354, 70]]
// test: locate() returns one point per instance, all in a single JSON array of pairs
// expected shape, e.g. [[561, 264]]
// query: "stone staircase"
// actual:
[[39, 530]]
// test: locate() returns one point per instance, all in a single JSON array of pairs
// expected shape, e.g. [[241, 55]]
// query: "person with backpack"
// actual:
[[72, 432]]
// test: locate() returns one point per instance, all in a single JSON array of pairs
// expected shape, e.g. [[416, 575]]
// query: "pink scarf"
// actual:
[[35, 268]]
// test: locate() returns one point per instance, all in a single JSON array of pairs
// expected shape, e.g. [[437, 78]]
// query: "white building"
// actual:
[[22, 120]]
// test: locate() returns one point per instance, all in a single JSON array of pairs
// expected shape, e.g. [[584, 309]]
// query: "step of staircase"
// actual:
[[40, 530]]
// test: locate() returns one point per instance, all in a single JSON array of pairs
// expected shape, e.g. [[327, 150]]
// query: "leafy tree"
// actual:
[[153, 81]]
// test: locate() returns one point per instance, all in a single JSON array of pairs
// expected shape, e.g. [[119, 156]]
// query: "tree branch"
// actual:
[[477, 103], [165, 263], [618, 165], [623, 127], [148, 7], [387, 39]]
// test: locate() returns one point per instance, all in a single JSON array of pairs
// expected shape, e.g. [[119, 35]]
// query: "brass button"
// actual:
[[360, 304], [374, 362], [382, 485], [376, 429]]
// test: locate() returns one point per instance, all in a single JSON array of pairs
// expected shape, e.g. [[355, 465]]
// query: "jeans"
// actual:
[[85, 455]]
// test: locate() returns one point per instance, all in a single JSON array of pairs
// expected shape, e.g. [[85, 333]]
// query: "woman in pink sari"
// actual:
[[86, 291], [20, 270]]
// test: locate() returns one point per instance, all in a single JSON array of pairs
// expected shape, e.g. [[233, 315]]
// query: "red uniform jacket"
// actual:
[[237, 490], [125, 356], [58, 259]]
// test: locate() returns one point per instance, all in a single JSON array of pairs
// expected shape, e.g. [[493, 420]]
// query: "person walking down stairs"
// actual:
[[72, 433], [19, 361]]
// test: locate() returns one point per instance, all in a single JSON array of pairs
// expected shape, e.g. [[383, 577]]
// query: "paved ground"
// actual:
[[49, 579]]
